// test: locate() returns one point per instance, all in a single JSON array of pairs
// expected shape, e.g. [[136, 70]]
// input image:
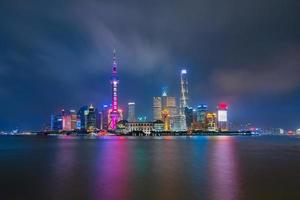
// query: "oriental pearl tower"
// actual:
[[115, 114]]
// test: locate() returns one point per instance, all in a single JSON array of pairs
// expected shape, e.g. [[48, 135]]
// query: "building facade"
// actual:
[[222, 117], [82, 113], [91, 119], [211, 121], [157, 108], [126, 127], [131, 112]]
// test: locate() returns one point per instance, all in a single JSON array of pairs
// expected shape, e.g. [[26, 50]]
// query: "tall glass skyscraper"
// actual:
[[183, 100], [183, 91]]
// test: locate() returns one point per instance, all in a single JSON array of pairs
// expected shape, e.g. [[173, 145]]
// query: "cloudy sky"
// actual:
[[58, 54]]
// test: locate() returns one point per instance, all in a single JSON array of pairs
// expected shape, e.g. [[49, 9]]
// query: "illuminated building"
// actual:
[[163, 104], [298, 131], [56, 122], [177, 123], [104, 117], [111, 115], [78, 123], [222, 117], [73, 119], [66, 121], [98, 119], [157, 108], [82, 113], [169, 103], [211, 121], [166, 119], [142, 118], [189, 117], [199, 117], [131, 112], [126, 127], [158, 126], [183, 99], [114, 112], [91, 119]]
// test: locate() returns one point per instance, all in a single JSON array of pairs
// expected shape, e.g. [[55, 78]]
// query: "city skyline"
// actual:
[[62, 59]]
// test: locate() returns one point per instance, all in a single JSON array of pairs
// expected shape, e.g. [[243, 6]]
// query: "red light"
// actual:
[[222, 106]]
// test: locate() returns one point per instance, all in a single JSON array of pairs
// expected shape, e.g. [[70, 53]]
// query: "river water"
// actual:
[[108, 168]]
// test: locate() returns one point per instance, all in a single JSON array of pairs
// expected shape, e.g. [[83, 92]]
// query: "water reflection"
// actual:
[[223, 168], [112, 173], [62, 167]]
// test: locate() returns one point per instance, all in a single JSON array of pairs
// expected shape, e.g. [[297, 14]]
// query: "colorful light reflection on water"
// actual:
[[214, 168]]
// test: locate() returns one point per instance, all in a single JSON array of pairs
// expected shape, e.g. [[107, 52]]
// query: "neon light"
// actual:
[[222, 106]]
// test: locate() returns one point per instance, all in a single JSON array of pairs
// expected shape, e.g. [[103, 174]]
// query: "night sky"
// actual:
[[58, 54]]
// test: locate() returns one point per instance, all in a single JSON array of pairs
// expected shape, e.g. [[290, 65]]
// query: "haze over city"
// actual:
[[58, 55]]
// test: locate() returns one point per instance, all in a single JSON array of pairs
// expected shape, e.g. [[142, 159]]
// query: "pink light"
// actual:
[[222, 106]]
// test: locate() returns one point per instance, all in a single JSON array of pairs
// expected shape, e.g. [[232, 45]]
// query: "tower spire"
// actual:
[[114, 69]]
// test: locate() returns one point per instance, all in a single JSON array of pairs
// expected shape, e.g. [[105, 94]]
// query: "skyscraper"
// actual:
[[56, 122], [165, 107], [183, 100], [114, 114], [211, 121], [199, 120], [131, 112], [188, 112], [222, 117], [66, 121], [104, 117], [169, 103], [73, 119], [157, 108], [183, 91], [82, 113], [91, 119]]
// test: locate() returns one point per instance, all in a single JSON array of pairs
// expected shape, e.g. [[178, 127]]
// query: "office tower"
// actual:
[[82, 113], [91, 119], [188, 111], [199, 119], [104, 117], [222, 117], [114, 114], [98, 119], [78, 123], [211, 121], [131, 112], [66, 121], [169, 103], [157, 108], [56, 122], [73, 119]]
